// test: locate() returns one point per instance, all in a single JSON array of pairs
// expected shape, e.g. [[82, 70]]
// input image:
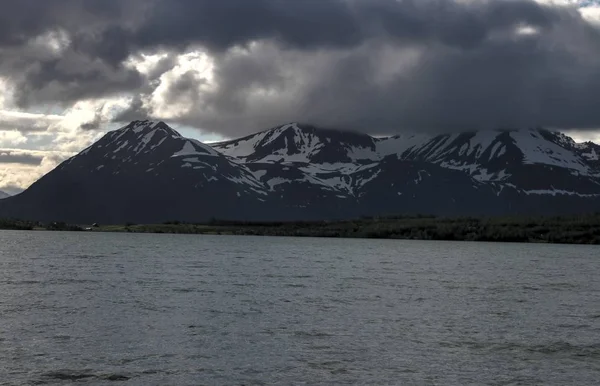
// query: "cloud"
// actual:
[[19, 157], [26, 122], [71, 78], [238, 66], [96, 122], [12, 138], [20, 168]]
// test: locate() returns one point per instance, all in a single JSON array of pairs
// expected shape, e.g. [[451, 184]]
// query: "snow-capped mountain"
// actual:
[[590, 152], [503, 159], [143, 172], [148, 172], [530, 161], [152, 149], [301, 143]]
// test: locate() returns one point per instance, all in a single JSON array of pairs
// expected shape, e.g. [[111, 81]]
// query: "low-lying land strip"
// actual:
[[583, 229]]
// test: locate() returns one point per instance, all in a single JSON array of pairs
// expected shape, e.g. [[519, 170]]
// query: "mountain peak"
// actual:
[[296, 142], [146, 126], [145, 139]]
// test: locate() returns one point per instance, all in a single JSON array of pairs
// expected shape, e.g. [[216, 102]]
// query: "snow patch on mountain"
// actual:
[[592, 155], [588, 150], [273, 182], [122, 145], [296, 143], [242, 147], [555, 192], [363, 181], [246, 179], [537, 150], [482, 140], [399, 144], [140, 126], [144, 141], [187, 150], [259, 174]]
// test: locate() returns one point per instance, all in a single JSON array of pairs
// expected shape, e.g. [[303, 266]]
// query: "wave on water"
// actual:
[[80, 375]]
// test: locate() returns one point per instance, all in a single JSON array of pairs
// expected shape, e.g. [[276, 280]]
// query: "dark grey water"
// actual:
[[188, 310]]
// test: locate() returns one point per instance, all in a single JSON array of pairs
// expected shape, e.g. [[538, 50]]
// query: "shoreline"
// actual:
[[583, 229]]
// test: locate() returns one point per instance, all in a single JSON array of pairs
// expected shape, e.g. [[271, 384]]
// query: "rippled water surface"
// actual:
[[187, 310]]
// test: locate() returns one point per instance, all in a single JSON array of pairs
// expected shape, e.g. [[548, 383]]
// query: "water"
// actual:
[[187, 310]]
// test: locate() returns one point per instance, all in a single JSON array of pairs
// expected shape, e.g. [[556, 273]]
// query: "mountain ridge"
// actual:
[[148, 172]]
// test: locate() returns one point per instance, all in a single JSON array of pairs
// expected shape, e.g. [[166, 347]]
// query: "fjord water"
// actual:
[[141, 309]]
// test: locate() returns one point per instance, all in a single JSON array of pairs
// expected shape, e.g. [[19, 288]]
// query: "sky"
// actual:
[[70, 70]]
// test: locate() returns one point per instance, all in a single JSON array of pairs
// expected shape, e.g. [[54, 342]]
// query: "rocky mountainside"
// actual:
[[147, 172]]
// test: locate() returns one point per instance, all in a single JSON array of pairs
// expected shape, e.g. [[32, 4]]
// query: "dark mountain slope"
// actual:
[[144, 172], [147, 172]]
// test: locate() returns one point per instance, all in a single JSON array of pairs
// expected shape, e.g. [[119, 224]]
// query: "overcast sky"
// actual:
[[72, 69]]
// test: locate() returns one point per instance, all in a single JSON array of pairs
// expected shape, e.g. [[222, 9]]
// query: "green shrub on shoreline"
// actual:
[[583, 229]]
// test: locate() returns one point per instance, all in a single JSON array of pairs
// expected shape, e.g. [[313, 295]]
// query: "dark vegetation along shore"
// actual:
[[583, 229]]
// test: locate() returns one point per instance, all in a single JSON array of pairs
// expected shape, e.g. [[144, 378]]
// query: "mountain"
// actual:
[[142, 172], [147, 172], [301, 143], [3, 195], [532, 171], [522, 168]]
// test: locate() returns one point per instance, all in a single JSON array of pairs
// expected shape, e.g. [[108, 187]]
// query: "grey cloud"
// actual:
[[40, 74], [375, 65], [524, 82], [57, 157], [12, 157], [185, 87], [461, 24], [72, 77], [136, 111], [162, 66], [22, 20], [483, 75], [24, 125], [219, 25], [95, 123]]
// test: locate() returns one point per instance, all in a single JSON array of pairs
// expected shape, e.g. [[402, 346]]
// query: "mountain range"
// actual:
[[147, 172]]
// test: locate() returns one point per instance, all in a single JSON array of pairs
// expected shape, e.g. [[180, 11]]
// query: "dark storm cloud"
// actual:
[[7, 156], [83, 68], [332, 62], [310, 24], [547, 79], [73, 77], [21, 20], [219, 25]]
